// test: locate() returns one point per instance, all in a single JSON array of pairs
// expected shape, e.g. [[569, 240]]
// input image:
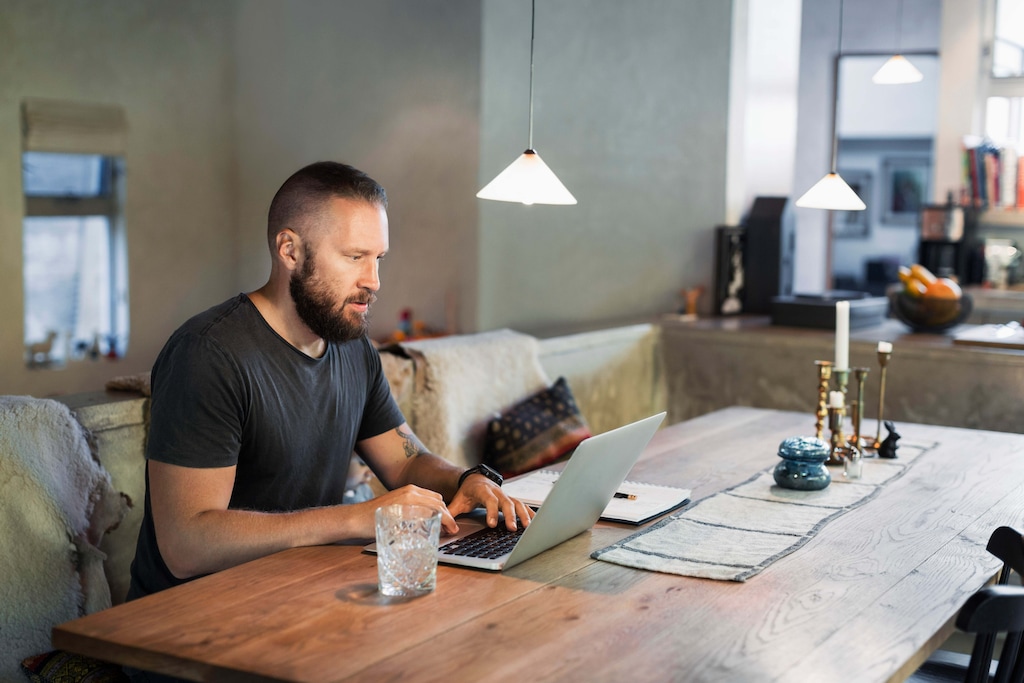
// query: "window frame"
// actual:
[[108, 204], [991, 85]]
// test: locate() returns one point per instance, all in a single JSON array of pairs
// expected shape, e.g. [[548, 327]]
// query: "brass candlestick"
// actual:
[[838, 441], [858, 406], [884, 354], [824, 375], [842, 379]]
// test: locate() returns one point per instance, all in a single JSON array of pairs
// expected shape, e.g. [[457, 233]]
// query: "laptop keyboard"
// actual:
[[488, 543]]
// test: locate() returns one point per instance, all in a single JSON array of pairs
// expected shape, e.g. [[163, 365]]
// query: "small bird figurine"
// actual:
[[888, 447]]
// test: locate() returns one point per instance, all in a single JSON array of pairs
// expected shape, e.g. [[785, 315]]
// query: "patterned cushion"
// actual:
[[535, 432], [64, 667]]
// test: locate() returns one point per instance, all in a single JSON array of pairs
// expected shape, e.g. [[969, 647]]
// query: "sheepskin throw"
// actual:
[[57, 504], [462, 381]]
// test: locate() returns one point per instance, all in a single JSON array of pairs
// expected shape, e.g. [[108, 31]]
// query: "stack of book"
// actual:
[[993, 176]]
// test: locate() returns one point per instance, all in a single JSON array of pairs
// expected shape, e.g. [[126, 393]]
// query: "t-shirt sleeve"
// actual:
[[381, 413], [196, 413]]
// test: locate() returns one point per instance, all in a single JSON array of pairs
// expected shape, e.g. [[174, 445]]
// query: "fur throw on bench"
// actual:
[[57, 504]]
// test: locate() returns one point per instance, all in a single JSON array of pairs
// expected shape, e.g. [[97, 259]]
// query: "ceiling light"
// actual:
[[528, 180], [897, 70], [832, 192]]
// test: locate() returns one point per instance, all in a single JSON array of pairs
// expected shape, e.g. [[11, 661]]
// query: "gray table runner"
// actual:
[[733, 535]]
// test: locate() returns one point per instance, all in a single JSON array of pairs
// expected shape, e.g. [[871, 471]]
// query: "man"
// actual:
[[259, 402]]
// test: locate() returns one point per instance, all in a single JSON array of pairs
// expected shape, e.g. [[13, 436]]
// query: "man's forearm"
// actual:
[[432, 472], [217, 539]]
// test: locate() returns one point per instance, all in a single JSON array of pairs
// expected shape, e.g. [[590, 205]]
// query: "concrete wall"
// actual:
[[169, 65], [391, 87], [226, 99], [630, 112]]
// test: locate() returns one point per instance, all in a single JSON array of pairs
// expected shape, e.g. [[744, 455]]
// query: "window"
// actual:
[[73, 235], [1003, 121], [1004, 89], [1008, 39]]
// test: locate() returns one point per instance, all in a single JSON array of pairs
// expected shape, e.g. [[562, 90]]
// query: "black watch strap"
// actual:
[[485, 470]]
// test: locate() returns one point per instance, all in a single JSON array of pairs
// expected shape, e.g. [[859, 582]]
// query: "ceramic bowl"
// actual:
[[928, 314]]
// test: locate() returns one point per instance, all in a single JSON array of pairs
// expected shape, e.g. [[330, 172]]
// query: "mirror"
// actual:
[[886, 134]]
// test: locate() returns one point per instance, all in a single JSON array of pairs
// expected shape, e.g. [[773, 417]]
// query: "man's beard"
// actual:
[[317, 310]]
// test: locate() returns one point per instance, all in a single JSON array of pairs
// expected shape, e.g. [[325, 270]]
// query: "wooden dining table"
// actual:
[[868, 598]]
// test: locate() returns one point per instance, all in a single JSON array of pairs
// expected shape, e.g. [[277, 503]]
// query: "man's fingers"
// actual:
[[414, 495]]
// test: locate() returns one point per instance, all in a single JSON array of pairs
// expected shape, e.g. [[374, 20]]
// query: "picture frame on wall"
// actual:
[[855, 224], [905, 182]]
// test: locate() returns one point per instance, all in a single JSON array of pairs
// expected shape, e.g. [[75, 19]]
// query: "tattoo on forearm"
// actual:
[[410, 444]]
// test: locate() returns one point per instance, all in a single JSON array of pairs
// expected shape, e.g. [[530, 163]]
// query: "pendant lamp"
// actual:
[[832, 192], [528, 180], [897, 70]]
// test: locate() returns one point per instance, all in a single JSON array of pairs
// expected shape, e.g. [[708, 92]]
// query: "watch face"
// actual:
[[487, 471], [492, 474]]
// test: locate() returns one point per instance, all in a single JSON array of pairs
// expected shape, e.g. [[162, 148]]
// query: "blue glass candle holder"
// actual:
[[803, 464]]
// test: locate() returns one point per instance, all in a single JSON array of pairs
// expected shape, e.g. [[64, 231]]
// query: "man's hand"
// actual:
[[479, 491], [408, 495], [399, 459]]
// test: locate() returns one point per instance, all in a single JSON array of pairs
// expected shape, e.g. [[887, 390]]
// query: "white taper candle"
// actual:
[[842, 361]]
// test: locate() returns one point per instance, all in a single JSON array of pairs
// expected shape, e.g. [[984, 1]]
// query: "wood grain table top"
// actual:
[[867, 599]]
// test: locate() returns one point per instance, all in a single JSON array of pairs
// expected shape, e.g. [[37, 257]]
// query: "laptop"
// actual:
[[590, 478]]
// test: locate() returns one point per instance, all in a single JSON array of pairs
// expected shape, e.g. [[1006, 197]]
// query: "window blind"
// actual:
[[73, 127]]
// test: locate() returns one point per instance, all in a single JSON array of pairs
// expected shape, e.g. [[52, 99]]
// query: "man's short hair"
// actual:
[[308, 188]]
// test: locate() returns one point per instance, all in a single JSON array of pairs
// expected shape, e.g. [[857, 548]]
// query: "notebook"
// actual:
[[634, 502], [590, 478]]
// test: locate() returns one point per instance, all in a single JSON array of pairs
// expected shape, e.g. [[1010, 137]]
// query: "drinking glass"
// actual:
[[407, 538]]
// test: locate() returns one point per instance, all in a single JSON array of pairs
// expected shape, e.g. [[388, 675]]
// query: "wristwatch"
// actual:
[[485, 470]]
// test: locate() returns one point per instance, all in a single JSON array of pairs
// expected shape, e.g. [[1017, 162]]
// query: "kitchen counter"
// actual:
[[713, 363]]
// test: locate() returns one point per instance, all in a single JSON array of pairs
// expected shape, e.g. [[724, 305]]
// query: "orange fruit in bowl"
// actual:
[[921, 273], [943, 288], [915, 288]]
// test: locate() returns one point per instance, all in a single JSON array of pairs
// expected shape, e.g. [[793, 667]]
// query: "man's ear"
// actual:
[[288, 248]]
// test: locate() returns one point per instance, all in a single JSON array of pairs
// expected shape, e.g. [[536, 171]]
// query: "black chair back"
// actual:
[[991, 611]]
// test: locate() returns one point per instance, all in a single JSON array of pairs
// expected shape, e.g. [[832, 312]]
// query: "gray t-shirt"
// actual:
[[229, 391]]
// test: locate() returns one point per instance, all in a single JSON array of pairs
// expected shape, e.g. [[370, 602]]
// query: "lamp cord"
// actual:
[[533, 22], [899, 28], [840, 27], [835, 94]]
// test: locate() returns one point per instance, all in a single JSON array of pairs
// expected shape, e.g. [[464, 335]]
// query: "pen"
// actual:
[[627, 496]]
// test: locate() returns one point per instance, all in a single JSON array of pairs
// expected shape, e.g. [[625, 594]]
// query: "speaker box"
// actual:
[[768, 256]]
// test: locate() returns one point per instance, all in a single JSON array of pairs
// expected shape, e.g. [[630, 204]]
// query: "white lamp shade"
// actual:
[[897, 70], [527, 180], [831, 192]]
